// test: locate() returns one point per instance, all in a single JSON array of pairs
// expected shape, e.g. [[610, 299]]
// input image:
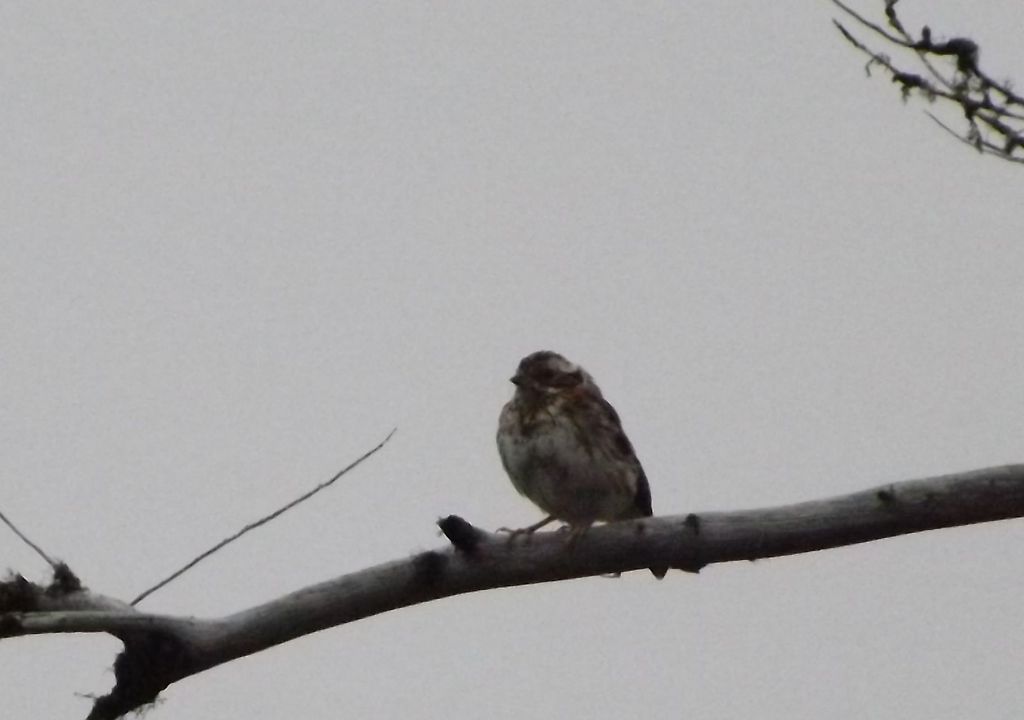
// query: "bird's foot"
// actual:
[[513, 533], [528, 530]]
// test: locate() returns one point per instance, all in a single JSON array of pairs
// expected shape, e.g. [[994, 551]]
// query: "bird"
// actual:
[[563, 447]]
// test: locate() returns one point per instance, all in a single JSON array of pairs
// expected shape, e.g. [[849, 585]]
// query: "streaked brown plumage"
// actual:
[[563, 447]]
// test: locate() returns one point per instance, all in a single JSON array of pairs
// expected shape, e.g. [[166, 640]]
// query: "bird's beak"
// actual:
[[517, 380]]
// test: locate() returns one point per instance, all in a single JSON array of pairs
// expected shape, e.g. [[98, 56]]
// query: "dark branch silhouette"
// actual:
[[948, 72], [162, 649], [28, 542]]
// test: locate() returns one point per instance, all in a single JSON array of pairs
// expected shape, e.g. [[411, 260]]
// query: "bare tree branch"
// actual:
[[993, 112], [263, 520], [162, 649]]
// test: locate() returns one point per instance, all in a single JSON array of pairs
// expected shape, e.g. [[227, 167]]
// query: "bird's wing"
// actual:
[[621, 451]]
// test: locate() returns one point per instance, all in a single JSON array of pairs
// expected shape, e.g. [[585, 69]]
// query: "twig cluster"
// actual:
[[949, 72]]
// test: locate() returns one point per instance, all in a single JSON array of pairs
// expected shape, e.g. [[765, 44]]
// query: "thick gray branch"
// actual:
[[162, 649]]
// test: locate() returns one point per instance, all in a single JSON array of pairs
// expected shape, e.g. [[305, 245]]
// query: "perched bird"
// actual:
[[563, 447]]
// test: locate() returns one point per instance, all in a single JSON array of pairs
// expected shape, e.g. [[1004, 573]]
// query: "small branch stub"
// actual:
[[460, 533]]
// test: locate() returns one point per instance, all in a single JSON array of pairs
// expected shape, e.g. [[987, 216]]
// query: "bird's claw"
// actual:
[[513, 533]]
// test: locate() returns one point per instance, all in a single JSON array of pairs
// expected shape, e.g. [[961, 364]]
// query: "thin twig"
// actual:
[[872, 26], [985, 147], [952, 132], [28, 542], [896, 24], [262, 521]]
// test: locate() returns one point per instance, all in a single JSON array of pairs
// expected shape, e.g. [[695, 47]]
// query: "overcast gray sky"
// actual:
[[242, 241]]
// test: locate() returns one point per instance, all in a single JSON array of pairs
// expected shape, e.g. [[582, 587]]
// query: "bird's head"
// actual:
[[546, 373]]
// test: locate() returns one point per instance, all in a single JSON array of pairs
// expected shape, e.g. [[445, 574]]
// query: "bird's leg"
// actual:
[[529, 530]]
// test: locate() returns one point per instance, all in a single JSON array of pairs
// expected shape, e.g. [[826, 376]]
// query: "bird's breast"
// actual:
[[551, 461]]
